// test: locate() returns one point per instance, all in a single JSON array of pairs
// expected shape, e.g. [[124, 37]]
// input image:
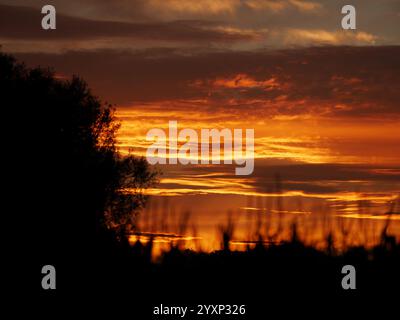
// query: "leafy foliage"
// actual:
[[63, 143]]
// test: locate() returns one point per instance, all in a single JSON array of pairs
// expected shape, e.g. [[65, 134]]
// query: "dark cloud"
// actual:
[[319, 179], [326, 178], [281, 23], [118, 10], [24, 23], [333, 81]]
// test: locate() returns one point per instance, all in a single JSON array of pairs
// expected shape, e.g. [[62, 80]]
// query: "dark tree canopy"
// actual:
[[71, 185]]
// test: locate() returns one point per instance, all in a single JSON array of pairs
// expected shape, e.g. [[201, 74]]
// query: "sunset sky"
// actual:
[[324, 102]]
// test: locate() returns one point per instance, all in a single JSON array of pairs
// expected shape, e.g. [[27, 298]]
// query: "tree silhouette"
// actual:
[[70, 186]]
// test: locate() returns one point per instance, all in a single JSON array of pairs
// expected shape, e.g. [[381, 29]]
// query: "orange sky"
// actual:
[[324, 102]]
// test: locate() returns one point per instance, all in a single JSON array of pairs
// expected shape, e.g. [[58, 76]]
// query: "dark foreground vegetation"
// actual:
[[68, 207], [275, 277]]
